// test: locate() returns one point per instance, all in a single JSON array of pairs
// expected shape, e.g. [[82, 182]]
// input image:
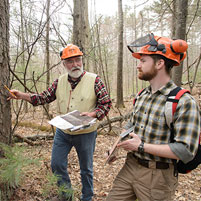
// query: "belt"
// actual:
[[152, 164]]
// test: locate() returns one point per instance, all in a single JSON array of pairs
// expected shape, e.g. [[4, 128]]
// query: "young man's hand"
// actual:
[[131, 144]]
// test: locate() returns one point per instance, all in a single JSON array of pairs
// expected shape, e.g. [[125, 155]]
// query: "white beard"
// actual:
[[75, 73]]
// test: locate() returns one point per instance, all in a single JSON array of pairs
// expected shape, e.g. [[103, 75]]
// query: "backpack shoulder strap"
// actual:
[[139, 93], [171, 103]]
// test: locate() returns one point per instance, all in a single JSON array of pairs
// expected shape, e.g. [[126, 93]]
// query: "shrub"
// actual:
[[51, 188], [12, 168]]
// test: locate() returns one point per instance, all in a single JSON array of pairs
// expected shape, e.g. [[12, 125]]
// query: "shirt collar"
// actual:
[[165, 90]]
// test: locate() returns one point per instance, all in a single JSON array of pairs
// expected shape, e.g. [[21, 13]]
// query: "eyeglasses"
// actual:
[[70, 61]]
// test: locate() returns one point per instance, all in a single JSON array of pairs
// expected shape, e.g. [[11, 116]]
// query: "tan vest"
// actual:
[[82, 98]]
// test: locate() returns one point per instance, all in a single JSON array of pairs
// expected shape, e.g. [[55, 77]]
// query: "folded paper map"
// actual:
[[72, 121]]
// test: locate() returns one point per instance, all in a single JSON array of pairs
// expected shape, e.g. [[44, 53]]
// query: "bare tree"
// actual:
[[135, 62], [47, 47], [180, 33], [81, 25], [173, 22], [120, 102], [22, 36], [5, 109]]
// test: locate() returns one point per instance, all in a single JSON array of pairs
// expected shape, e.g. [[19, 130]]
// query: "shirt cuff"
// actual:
[[181, 151], [33, 100], [99, 114]]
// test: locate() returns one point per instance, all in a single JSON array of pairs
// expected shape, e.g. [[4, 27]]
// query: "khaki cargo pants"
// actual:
[[145, 184]]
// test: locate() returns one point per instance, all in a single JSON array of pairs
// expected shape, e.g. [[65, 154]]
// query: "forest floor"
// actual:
[[35, 180]]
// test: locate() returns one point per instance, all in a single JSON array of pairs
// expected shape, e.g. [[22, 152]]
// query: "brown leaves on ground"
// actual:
[[35, 179]]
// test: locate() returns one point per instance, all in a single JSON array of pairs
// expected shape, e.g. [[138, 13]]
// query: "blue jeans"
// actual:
[[85, 146]]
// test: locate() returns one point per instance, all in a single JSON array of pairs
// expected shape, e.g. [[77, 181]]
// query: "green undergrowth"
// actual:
[[51, 189], [13, 165]]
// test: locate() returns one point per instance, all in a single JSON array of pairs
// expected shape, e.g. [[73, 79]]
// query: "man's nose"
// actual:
[[139, 65], [74, 63]]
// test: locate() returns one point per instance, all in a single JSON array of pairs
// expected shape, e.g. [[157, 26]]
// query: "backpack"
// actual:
[[170, 108]]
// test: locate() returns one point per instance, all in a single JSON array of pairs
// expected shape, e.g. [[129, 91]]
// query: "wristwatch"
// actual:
[[141, 148]]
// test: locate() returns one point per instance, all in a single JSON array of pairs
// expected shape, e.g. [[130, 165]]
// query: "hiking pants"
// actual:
[[135, 181]]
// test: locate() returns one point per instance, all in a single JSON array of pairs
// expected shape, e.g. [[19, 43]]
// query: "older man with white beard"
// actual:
[[75, 90]]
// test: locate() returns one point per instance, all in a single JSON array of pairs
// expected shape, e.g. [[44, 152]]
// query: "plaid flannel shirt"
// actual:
[[103, 101], [150, 123]]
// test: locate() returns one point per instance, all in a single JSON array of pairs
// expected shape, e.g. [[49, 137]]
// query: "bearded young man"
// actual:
[[149, 173], [75, 90]]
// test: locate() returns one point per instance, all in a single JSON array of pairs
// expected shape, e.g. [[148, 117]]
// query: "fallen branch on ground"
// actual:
[[103, 124]]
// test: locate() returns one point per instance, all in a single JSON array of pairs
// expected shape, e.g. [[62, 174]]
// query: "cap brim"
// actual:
[[74, 55], [136, 55]]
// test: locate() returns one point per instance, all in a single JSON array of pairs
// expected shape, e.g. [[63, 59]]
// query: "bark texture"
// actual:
[[5, 109], [120, 102], [180, 33]]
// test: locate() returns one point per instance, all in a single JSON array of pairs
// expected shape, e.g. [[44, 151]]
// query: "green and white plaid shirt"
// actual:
[[150, 123]]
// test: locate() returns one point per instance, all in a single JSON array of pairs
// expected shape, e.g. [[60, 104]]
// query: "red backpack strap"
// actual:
[[171, 103], [177, 97], [139, 93]]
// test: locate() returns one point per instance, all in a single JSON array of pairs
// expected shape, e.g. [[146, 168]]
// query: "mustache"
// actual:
[[75, 68]]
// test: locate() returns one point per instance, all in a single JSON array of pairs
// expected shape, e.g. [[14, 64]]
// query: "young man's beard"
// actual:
[[75, 73], [148, 75]]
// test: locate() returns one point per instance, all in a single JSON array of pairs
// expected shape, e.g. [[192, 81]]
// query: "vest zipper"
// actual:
[[69, 101]]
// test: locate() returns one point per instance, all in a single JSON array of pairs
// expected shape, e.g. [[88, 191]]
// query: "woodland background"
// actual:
[[33, 32]]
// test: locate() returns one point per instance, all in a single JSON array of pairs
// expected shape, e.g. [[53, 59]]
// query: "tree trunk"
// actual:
[[135, 71], [5, 109], [23, 50], [92, 42], [81, 26], [173, 20], [142, 34], [47, 49], [120, 102], [180, 33]]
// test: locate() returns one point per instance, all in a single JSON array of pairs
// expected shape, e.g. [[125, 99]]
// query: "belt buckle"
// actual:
[[143, 162], [152, 164], [162, 165]]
